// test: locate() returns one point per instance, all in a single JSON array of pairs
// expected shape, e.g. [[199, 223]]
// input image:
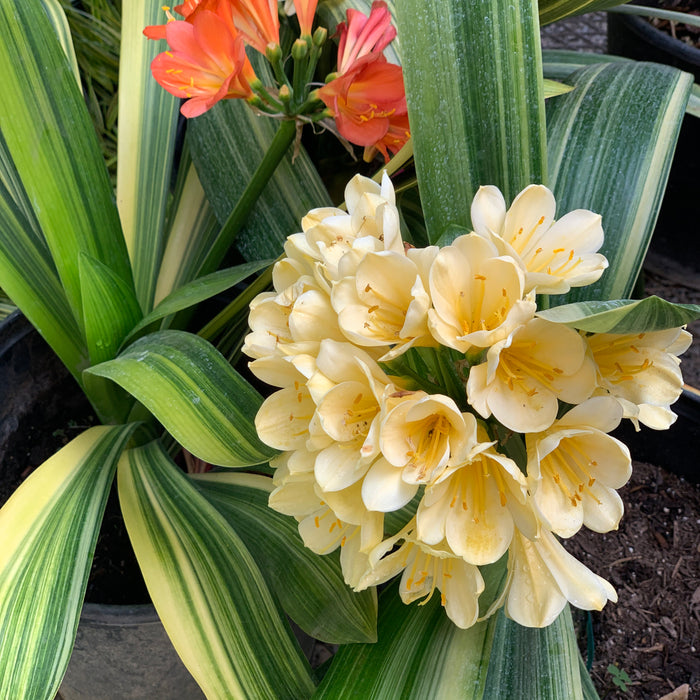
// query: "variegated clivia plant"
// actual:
[[111, 285]]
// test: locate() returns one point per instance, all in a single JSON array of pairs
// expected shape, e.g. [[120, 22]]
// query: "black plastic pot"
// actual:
[[676, 229], [121, 652]]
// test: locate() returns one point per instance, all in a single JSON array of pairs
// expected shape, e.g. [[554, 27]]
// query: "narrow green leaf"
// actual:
[[197, 396], [29, 277], [638, 107], [49, 529], [227, 144], [553, 10], [110, 309], [475, 101], [191, 232], [52, 143], [534, 663], [206, 587], [420, 654], [57, 17], [200, 290], [147, 129], [623, 315], [552, 88], [309, 587]]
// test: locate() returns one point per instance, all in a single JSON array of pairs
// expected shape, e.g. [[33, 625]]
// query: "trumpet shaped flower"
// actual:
[[384, 303], [555, 255], [362, 35], [367, 101], [543, 576], [641, 371], [477, 295], [525, 375], [425, 569], [574, 468], [476, 506], [206, 61], [258, 21]]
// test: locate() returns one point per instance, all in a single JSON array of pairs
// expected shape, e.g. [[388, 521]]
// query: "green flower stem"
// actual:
[[281, 142]]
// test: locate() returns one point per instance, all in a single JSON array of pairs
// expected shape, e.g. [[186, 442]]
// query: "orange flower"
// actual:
[[363, 35], [206, 61], [258, 21], [368, 103], [305, 9]]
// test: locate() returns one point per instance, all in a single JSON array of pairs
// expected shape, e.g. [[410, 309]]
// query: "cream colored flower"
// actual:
[[476, 506], [574, 468], [348, 389], [477, 296], [425, 569], [641, 371], [328, 521], [525, 374], [543, 576], [384, 303], [418, 438], [555, 256], [371, 223], [424, 433]]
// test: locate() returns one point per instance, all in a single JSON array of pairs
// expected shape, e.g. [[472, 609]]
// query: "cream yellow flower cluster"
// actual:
[[359, 439]]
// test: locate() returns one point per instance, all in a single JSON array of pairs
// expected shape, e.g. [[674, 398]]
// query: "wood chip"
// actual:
[[680, 693]]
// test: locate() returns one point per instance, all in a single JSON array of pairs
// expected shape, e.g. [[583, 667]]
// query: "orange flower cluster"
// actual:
[[206, 60], [368, 98]]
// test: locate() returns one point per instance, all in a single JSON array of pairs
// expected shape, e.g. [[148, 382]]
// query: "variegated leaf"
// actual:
[[48, 530], [206, 587]]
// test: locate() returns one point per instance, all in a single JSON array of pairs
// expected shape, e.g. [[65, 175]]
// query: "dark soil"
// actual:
[[653, 632]]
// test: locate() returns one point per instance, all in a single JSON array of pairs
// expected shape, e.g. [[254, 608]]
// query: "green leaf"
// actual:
[[309, 587], [53, 146], [192, 230], [227, 144], [57, 17], [420, 654], [110, 309], [197, 396], [553, 10], [29, 277], [205, 585], [49, 529], [610, 144], [534, 663], [473, 78], [623, 315], [200, 290], [147, 130]]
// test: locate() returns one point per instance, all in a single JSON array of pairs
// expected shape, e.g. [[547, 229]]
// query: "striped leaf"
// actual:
[[147, 129], [475, 101], [205, 586], [29, 277], [624, 315], [309, 587], [552, 10], [610, 145], [49, 529], [49, 136], [58, 19], [534, 663], [227, 144], [200, 290], [197, 396], [192, 231], [420, 654]]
